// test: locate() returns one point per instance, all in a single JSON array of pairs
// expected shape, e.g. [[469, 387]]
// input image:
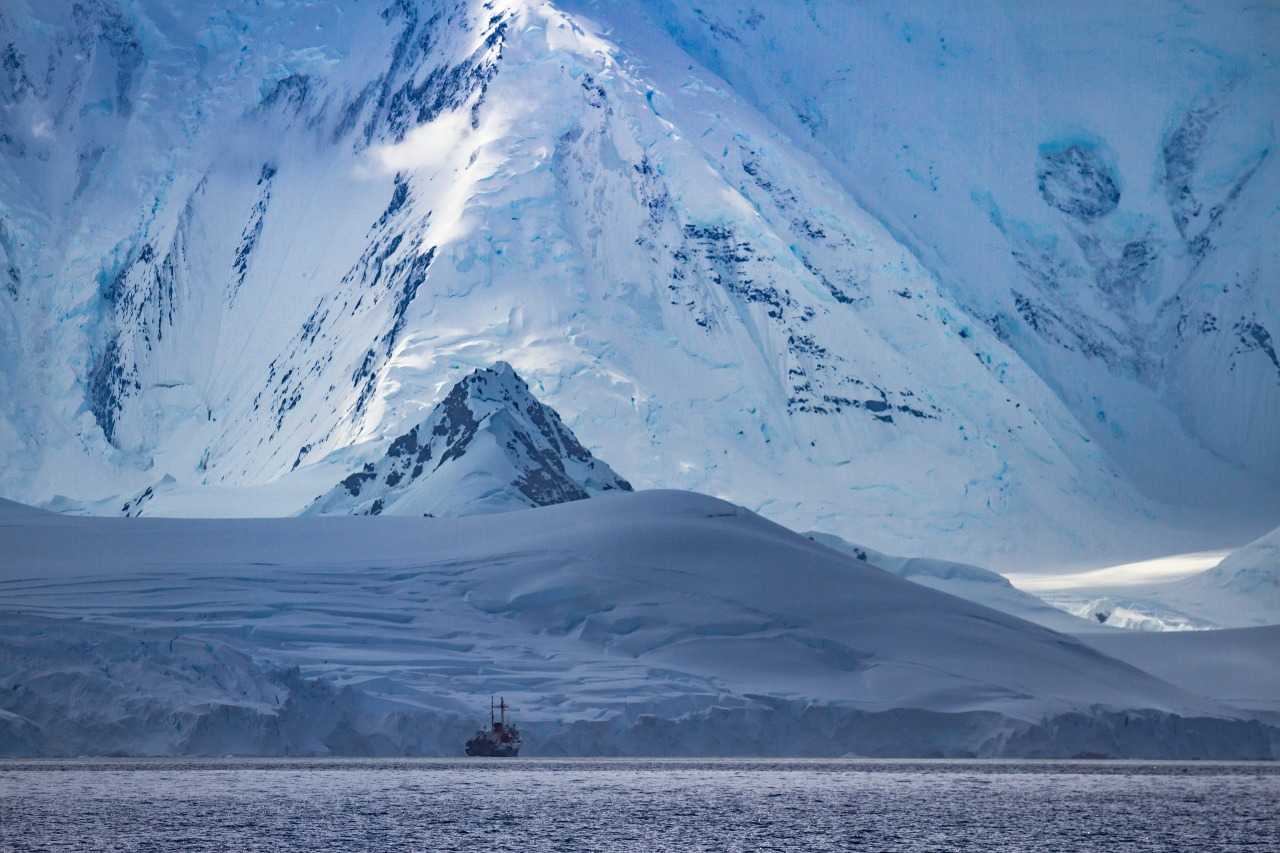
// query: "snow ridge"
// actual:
[[974, 583]]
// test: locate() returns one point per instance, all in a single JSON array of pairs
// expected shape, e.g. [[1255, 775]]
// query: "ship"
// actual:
[[502, 740]]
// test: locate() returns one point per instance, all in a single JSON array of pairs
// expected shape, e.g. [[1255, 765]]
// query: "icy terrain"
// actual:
[[975, 287], [651, 623]]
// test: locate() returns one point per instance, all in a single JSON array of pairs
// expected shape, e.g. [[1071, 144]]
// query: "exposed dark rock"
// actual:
[[252, 229], [1077, 181], [1253, 336], [356, 481], [107, 380], [1195, 218], [290, 94]]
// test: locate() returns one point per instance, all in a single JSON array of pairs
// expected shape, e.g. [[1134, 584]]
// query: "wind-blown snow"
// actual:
[[1158, 570]]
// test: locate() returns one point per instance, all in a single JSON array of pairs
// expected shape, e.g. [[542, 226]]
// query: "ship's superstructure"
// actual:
[[502, 740]]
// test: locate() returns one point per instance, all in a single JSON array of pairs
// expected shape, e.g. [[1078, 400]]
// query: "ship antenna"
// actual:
[[502, 705], [490, 710]]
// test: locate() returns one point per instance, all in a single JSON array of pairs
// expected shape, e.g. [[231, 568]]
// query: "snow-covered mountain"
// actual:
[[652, 623], [488, 446], [974, 583], [1095, 184], [881, 275]]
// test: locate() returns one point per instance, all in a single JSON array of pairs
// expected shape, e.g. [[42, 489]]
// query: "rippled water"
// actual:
[[541, 805]]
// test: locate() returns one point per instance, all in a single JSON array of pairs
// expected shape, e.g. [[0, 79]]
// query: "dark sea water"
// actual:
[[537, 805]]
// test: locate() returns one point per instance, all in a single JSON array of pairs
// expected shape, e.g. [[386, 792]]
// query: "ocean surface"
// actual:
[[631, 805]]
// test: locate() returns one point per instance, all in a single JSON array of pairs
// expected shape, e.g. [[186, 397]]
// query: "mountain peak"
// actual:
[[497, 383], [501, 369], [490, 445]]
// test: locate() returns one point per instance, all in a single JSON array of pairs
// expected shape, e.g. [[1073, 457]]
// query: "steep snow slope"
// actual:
[[974, 583], [488, 446], [664, 603], [250, 240], [1096, 183]]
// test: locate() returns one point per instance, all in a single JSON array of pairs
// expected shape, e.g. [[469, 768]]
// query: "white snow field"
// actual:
[[989, 284], [655, 622]]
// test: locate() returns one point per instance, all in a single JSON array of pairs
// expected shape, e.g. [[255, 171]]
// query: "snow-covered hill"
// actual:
[[588, 615], [488, 446], [248, 246], [974, 583]]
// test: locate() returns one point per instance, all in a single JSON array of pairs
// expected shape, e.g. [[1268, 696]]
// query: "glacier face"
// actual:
[[249, 246]]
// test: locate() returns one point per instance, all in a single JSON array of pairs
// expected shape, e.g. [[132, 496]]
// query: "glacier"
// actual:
[[1099, 189]]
